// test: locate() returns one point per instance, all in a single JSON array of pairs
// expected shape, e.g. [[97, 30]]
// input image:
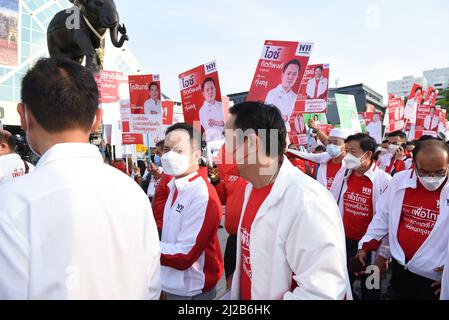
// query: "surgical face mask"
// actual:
[[352, 162], [27, 135], [175, 164], [432, 183], [333, 150], [393, 148]]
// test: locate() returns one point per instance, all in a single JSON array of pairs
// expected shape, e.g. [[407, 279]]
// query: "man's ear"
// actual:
[[98, 120], [21, 111]]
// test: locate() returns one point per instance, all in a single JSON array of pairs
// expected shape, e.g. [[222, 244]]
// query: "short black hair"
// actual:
[[425, 140], [160, 144], [320, 148], [153, 84], [319, 67], [367, 143], [292, 62], [410, 143], [419, 88], [385, 141], [8, 138], [400, 134], [194, 136], [61, 94], [209, 79], [258, 116]]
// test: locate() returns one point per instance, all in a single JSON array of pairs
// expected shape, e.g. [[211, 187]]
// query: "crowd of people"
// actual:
[[301, 226]]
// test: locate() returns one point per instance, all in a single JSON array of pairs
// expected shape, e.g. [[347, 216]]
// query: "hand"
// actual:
[[213, 174], [437, 285], [312, 124], [382, 264], [361, 256], [400, 154]]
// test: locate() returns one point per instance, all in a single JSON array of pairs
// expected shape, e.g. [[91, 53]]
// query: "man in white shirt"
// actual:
[[76, 228], [211, 113], [412, 105], [283, 96], [317, 86], [374, 129], [432, 121], [11, 165], [153, 105]]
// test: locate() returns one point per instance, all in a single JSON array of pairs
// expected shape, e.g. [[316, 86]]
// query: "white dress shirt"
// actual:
[[431, 122], [284, 101], [11, 167], [311, 87], [151, 106], [77, 228], [212, 112]]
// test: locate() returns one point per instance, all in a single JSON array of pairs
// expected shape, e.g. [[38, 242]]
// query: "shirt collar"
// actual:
[[65, 151], [281, 89], [10, 156], [182, 183]]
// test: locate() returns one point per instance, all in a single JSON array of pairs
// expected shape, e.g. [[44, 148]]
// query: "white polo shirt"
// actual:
[[284, 101], [150, 106], [11, 167], [77, 229], [212, 112]]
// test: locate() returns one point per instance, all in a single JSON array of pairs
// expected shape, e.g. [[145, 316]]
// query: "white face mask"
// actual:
[[383, 151], [175, 164], [432, 183], [393, 148], [333, 150], [352, 162]]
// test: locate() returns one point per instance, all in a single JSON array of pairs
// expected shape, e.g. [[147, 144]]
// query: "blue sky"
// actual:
[[364, 41]]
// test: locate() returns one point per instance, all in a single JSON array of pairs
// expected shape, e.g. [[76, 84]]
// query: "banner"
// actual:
[[9, 33], [431, 97], [372, 124], [132, 139], [201, 100], [347, 111], [168, 111], [415, 98], [110, 87], [299, 126], [314, 89], [395, 112], [146, 107], [279, 74], [427, 121]]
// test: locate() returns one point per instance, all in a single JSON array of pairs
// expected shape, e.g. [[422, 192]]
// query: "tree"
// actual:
[[444, 101]]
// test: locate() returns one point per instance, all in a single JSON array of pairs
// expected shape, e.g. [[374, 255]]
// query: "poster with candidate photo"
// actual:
[[314, 89], [372, 124], [278, 75], [9, 33], [428, 121], [431, 97], [347, 111], [146, 107], [201, 100], [395, 111], [414, 99]]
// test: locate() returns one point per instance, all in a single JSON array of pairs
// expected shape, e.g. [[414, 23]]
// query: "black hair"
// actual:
[[209, 79], [385, 141], [320, 148], [400, 134], [194, 136], [8, 138], [425, 140], [410, 143], [367, 143], [153, 84], [319, 67], [258, 116], [419, 88], [292, 62], [160, 144], [61, 94]]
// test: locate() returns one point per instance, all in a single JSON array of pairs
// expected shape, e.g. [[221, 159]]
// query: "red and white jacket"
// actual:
[[432, 253], [191, 257]]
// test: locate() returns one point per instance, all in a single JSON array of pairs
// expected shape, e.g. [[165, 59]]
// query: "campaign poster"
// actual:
[[427, 121], [146, 107], [414, 99], [372, 124], [431, 97], [347, 111], [298, 129], [168, 111], [201, 100], [9, 33], [395, 111], [279, 74], [314, 89]]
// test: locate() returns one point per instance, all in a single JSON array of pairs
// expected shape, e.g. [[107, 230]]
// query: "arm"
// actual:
[[319, 263], [317, 158], [152, 255], [199, 225]]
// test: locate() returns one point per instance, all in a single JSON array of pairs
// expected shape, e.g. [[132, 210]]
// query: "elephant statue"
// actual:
[[80, 32]]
